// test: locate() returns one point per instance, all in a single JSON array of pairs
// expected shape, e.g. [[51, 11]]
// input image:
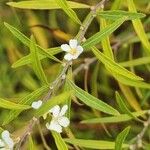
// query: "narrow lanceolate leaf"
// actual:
[[61, 145], [139, 27], [105, 42], [92, 101], [136, 62], [27, 100], [37, 67], [115, 14], [128, 81], [52, 102], [67, 9], [96, 38], [26, 41], [115, 119], [93, 144], [31, 144], [10, 105], [109, 63], [26, 60], [45, 4], [123, 106], [121, 138]]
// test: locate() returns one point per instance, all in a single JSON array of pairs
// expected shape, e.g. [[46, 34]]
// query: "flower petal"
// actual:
[[80, 49], [5, 134], [76, 55], [65, 47], [54, 126], [2, 144], [37, 104], [63, 110], [6, 138], [55, 110], [63, 121], [10, 143], [68, 57], [73, 43]]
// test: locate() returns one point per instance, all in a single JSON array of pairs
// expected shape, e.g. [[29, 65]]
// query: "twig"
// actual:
[[79, 37], [87, 62], [42, 137], [139, 137], [89, 19]]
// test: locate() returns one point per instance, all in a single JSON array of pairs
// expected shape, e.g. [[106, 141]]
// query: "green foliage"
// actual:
[[10, 105], [92, 101], [37, 67], [115, 119], [114, 66], [28, 99], [61, 145], [115, 14], [93, 144], [96, 38], [120, 138], [66, 8], [27, 41], [138, 26], [115, 39], [44, 4], [51, 103]]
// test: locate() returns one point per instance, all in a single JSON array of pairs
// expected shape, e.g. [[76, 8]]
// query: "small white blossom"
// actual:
[[58, 119], [6, 142], [37, 104], [73, 49]]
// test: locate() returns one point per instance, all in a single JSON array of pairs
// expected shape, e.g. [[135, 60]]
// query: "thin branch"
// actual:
[[42, 137], [138, 139]]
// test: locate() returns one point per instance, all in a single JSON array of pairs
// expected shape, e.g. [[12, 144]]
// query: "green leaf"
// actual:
[[66, 8], [37, 67], [26, 41], [120, 138], [27, 59], [96, 38], [61, 145], [115, 14], [10, 105], [115, 119], [93, 144], [27, 100], [127, 81], [105, 42], [94, 79], [138, 26], [92, 101], [109, 63], [44, 4], [123, 106], [136, 62], [52, 102], [31, 143]]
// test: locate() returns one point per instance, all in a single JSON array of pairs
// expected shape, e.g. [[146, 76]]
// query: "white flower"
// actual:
[[6, 143], [73, 50], [58, 119], [37, 104]]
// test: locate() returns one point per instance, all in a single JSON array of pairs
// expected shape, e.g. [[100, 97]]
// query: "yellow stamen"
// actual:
[[73, 51]]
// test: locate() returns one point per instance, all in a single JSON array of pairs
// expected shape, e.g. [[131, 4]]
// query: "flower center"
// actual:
[[73, 51]]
